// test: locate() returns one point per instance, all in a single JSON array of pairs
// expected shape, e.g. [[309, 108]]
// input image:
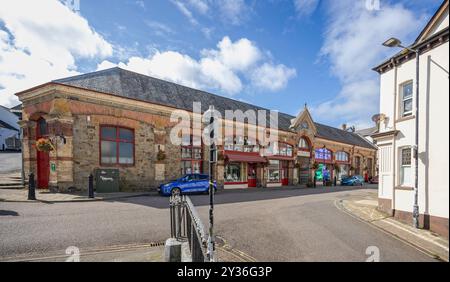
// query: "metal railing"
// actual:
[[185, 224]]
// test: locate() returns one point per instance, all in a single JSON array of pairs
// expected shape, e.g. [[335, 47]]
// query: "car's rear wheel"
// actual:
[[176, 192]]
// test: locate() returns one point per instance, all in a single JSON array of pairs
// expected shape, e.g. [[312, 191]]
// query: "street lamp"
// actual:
[[394, 42]]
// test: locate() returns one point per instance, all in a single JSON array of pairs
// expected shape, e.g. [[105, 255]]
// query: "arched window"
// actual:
[[303, 144], [42, 127]]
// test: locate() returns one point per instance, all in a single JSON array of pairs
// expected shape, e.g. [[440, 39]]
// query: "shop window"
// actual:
[[191, 158], [116, 145], [233, 172], [405, 167], [407, 98], [323, 154], [342, 156], [273, 171]]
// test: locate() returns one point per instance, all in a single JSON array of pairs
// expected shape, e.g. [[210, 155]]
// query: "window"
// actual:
[[233, 172], [303, 144], [191, 158], [407, 99], [341, 156], [357, 165], [405, 166], [323, 154], [281, 149], [42, 128], [116, 145], [273, 174], [240, 144]]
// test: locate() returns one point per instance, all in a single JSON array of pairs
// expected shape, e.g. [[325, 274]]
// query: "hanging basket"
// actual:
[[44, 145]]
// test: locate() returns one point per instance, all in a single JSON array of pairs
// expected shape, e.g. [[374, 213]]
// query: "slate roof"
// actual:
[[7, 125], [133, 85]]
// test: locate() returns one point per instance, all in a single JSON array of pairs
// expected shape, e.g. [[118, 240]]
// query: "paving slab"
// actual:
[[364, 207]]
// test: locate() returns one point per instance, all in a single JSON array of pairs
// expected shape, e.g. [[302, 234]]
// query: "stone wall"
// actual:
[[78, 117]]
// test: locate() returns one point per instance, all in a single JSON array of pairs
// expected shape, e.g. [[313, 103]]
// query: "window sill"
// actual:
[[405, 118], [404, 188]]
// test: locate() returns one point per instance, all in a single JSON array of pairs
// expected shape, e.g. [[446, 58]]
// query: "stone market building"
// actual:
[[120, 119]]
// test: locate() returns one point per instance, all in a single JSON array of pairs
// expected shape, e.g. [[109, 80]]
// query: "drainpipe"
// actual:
[[394, 150], [416, 148]]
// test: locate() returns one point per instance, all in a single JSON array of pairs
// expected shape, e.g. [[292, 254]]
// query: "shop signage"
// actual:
[[303, 154]]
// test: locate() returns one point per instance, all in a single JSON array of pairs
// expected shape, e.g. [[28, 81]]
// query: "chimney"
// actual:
[[344, 126]]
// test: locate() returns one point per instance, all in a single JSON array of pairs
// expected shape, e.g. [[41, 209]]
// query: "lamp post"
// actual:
[[212, 160], [394, 42]]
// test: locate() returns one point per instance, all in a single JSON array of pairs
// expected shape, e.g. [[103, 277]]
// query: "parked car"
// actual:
[[353, 180], [188, 184], [374, 180]]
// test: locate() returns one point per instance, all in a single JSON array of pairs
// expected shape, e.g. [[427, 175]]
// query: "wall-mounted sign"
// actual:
[[53, 167], [303, 154]]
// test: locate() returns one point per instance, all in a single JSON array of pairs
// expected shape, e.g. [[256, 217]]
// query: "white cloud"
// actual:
[[353, 47], [41, 42], [225, 68], [181, 6], [200, 5], [305, 7], [272, 77], [239, 55], [140, 3], [106, 65], [159, 28], [233, 11]]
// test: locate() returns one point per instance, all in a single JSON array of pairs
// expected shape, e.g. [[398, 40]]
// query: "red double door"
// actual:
[[42, 158], [251, 175], [284, 173]]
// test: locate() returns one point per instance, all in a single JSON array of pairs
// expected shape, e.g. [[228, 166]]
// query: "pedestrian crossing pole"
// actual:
[[212, 160]]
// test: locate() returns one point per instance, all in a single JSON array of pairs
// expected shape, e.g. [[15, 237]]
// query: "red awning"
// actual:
[[244, 157]]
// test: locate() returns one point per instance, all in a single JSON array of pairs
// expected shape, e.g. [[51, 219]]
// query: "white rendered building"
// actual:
[[397, 128]]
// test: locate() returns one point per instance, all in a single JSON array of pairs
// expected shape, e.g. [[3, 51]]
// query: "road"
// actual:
[[269, 225], [10, 162]]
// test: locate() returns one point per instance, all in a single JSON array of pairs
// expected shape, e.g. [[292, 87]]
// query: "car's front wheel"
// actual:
[[175, 192]]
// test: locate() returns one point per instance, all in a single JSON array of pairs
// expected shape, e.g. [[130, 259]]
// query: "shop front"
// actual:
[[242, 169], [343, 163], [325, 168]]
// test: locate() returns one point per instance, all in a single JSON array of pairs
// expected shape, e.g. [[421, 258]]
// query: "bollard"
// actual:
[[91, 186], [335, 181], [314, 180], [31, 187]]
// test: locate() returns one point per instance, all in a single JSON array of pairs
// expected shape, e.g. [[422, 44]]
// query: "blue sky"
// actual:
[[278, 54]]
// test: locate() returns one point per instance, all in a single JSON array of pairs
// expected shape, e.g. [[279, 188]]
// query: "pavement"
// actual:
[[253, 225], [121, 253], [46, 196], [364, 207]]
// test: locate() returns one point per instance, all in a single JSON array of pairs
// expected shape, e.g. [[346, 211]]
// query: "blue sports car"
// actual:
[[353, 180], [190, 183]]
